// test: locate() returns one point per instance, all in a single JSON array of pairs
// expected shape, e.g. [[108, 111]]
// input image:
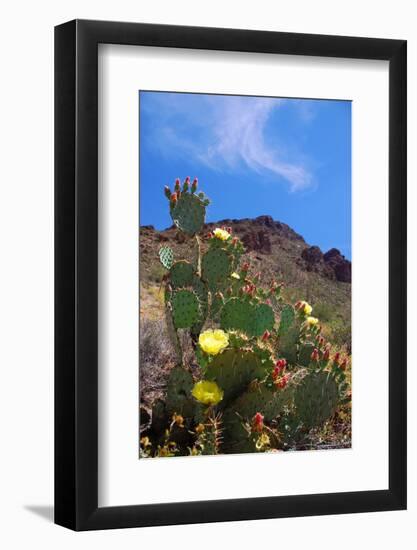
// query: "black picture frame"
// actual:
[[76, 272]]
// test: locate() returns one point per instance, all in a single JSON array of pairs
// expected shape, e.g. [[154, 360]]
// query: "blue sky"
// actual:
[[287, 158]]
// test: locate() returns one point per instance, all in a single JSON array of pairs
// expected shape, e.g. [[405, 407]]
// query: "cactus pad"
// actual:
[[185, 308], [178, 393], [181, 274], [216, 267], [263, 319], [234, 369], [304, 354], [287, 319], [166, 256], [237, 314], [189, 213], [316, 399]]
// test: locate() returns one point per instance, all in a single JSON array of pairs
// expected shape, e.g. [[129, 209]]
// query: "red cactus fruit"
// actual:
[[315, 355], [343, 364], [266, 335], [258, 422]]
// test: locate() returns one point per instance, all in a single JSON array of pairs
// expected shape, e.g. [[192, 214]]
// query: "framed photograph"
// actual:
[[230, 247]]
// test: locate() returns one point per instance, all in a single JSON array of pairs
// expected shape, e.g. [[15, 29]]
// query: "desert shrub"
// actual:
[[324, 311]]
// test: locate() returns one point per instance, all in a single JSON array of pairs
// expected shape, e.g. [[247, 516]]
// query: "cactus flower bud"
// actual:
[[343, 364], [326, 354], [167, 192], [210, 235], [177, 184], [336, 357], [245, 267], [266, 335], [279, 368], [282, 382], [315, 355], [174, 198], [186, 184], [258, 422], [229, 230], [194, 185]]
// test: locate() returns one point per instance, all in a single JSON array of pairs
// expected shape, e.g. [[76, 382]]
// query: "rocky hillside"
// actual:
[[321, 278]]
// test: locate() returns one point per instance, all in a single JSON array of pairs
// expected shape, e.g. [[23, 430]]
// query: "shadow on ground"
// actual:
[[45, 512]]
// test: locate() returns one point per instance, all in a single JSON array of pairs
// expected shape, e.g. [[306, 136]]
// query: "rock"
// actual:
[[312, 255], [341, 267], [258, 241]]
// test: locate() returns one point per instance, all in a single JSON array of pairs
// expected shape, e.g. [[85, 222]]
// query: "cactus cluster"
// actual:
[[263, 367]]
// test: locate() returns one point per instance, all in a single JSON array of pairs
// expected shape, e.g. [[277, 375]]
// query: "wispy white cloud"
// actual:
[[227, 133]]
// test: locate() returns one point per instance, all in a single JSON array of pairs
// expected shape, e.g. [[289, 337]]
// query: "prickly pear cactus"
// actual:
[[286, 320], [234, 370], [185, 308], [263, 319], [166, 256], [254, 320], [178, 392], [216, 266], [237, 315], [254, 369], [181, 274], [304, 354], [316, 399], [188, 213]]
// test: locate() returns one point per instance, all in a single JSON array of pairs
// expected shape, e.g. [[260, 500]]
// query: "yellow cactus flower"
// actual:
[[312, 321], [207, 392], [213, 341], [304, 307], [235, 275], [221, 234]]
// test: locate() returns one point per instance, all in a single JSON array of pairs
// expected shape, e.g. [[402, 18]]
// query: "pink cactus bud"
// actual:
[[336, 357], [167, 192], [282, 382], [344, 363], [229, 230], [187, 179], [326, 354], [258, 422], [194, 185], [186, 184], [315, 355], [174, 198], [266, 336], [177, 184]]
